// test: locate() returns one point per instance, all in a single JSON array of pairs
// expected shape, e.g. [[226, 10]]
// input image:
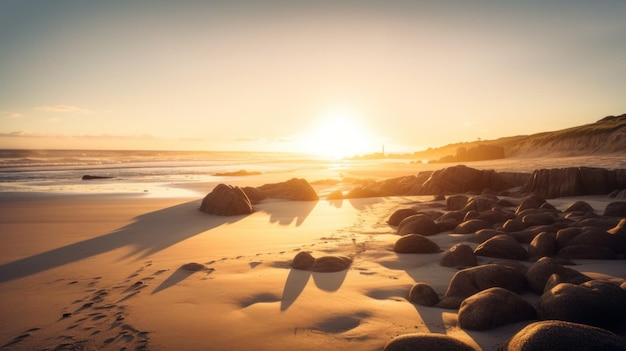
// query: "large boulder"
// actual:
[[472, 226], [294, 189], [563, 336], [538, 274], [616, 209], [423, 294], [470, 281], [415, 243], [596, 302], [502, 246], [417, 224], [426, 341], [226, 200], [543, 244], [399, 215], [461, 179], [459, 255], [574, 181], [492, 308]]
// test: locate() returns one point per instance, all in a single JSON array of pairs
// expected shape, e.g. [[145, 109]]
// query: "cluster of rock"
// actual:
[[530, 244], [229, 200], [325, 264], [548, 183]]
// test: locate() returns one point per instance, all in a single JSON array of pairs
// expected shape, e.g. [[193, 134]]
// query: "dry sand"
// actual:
[[104, 272]]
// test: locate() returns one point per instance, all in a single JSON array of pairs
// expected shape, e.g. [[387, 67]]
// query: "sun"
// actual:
[[338, 133]]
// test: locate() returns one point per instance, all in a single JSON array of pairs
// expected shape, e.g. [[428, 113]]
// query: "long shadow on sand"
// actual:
[[298, 280], [150, 233]]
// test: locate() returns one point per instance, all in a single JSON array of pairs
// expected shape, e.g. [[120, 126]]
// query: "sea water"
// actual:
[[133, 171]]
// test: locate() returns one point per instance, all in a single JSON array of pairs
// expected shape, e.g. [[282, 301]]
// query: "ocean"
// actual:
[[133, 171]]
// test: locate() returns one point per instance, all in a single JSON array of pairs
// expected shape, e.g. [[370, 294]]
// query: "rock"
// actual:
[[544, 244], [619, 229], [524, 236], [502, 246], [417, 224], [254, 195], [456, 202], [539, 273], [226, 200], [536, 219], [604, 223], [615, 209], [470, 281], [492, 308], [563, 336], [593, 236], [459, 255], [446, 225], [513, 225], [423, 294], [579, 206], [360, 192], [294, 189], [335, 195], [93, 177], [531, 201], [400, 214], [303, 260], [426, 341], [596, 302], [472, 226], [574, 181], [563, 236], [493, 216], [462, 179], [193, 267], [331, 264], [587, 252], [415, 243], [485, 234]]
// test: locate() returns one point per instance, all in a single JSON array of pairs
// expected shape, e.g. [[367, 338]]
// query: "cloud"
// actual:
[[20, 133], [62, 108], [7, 114]]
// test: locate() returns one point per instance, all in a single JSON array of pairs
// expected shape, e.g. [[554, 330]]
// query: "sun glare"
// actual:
[[337, 134]]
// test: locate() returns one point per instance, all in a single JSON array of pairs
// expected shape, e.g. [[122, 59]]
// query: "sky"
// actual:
[[334, 77]]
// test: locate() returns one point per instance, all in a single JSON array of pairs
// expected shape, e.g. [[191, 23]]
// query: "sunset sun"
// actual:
[[338, 133]]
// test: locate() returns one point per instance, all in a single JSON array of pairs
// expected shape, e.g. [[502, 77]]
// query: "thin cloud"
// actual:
[[19, 133], [62, 108], [7, 114]]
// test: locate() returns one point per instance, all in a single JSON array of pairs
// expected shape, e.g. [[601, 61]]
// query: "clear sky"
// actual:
[[332, 76]]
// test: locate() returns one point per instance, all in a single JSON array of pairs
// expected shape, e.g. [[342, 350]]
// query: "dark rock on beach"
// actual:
[[94, 177], [426, 341], [417, 224], [492, 308], [423, 294], [470, 281], [415, 243], [539, 273], [401, 214], [596, 302], [306, 261], [226, 200], [563, 336], [502, 246], [575, 181], [294, 189], [459, 255]]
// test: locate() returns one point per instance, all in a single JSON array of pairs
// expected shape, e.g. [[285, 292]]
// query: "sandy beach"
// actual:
[[91, 272]]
